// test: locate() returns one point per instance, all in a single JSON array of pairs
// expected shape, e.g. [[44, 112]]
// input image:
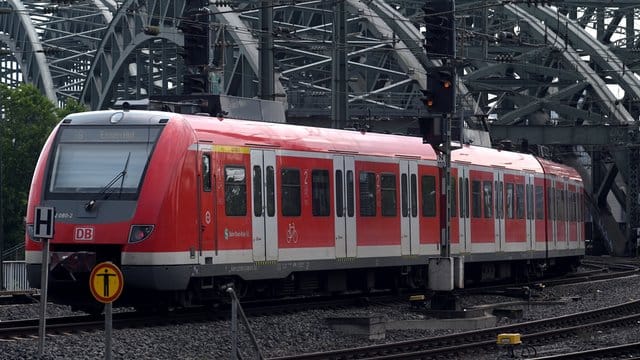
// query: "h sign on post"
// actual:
[[43, 225]]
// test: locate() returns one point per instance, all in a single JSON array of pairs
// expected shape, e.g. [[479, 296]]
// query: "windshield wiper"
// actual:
[[105, 191]]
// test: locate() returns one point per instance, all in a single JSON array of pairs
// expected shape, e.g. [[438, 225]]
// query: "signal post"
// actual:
[[439, 98]]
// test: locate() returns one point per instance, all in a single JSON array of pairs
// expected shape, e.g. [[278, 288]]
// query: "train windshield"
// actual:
[[108, 162]]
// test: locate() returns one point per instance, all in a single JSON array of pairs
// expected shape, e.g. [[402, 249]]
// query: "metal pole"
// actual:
[[44, 279], [339, 88], [234, 324], [108, 330], [445, 249], [267, 85]]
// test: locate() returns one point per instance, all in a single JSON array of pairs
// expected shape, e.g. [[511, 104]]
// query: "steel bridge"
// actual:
[[560, 66]]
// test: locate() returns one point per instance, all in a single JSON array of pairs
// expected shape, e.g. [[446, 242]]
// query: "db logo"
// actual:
[[84, 233]]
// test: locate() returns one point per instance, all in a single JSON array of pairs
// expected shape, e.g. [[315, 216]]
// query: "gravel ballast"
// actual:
[[281, 335]]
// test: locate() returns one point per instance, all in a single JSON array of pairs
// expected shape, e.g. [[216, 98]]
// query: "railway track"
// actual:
[[468, 343], [626, 351], [69, 324]]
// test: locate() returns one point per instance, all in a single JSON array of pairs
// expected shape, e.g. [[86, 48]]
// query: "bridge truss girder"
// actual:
[[97, 51]]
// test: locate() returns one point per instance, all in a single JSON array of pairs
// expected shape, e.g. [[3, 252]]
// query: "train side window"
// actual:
[[414, 195], [487, 191], [388, 194], [320, 192], [235, 191], [562, 205], [290, 186], [271, 192], [520, 201], [539, 203], [339, 194], [529, 202], [454, 198], [367, 194], [580, 206], [499, 199], [550, 203], [466, 198], [350, 194], [206, 172], [428, 196], [510, 197], [461, 197], [404, 195], [257, 191], [476, 199]]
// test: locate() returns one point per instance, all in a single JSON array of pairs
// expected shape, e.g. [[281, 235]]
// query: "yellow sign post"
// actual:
[[106, 283]]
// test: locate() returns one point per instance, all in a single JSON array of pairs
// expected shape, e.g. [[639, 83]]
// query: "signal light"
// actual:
[[441, 87], [427, 98]]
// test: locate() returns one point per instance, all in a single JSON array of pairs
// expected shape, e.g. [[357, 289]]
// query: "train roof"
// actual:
[[304, 138], [307, 138], [236, 132]]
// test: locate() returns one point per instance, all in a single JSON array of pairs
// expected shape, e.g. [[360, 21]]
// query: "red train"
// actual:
[[185, 204]]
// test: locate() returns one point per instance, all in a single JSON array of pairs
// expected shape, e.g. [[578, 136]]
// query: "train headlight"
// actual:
[[139, 233]]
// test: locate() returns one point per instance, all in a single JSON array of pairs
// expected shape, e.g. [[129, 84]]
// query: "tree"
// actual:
[[28, 119]]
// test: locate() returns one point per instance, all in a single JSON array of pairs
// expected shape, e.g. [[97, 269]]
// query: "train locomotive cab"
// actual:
[[92, 173]]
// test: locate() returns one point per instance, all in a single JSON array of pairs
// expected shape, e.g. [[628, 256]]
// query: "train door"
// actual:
[[464, 221], [264, 220], [206, 201], [530, 214], [409, 228], [345, 220], [498, 188]]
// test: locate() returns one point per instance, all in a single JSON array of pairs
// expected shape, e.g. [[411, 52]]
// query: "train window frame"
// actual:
[[320, 193], [271, 191], [388, 195], [499, 205], [235, 190], [339, 186], [454, 198], [414, 195], [487, 196], [290, 192], [476, 199], [404, 195], [351, 196], [510, 200], [465, 200], [529, 206], [257, 191], [551, 203], [520, 193], [539, 202], [206, 172], [428, 185], [367, 193]]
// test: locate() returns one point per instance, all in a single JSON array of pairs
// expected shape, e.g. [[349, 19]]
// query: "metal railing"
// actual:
[[15, 276]]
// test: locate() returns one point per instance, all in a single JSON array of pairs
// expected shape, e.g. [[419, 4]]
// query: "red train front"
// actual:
[[187, 204]]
